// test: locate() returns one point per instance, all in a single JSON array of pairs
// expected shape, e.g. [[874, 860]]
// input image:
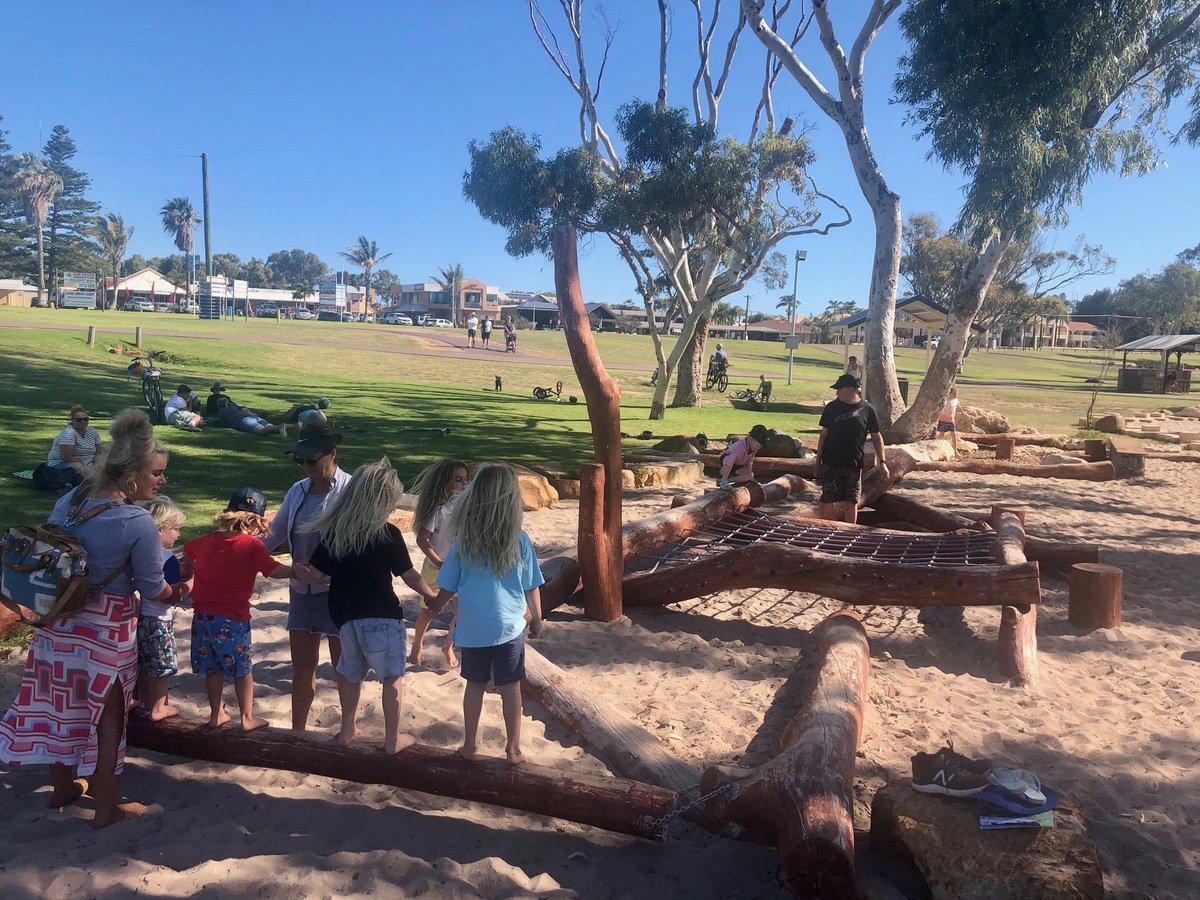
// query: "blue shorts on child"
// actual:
[[377, 644], [502, 664], [157, 653], [220, 644]]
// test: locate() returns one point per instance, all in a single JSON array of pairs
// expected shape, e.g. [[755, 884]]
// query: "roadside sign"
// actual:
[[77, 299], [331, 295], [791, 341], [79, 280]]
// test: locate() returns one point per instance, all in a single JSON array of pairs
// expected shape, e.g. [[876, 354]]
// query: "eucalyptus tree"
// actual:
[[179, 221], [37, 186], [365, 254], [113, 238]]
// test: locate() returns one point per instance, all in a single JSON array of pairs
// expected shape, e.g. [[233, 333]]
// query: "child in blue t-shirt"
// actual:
[[493, 569]]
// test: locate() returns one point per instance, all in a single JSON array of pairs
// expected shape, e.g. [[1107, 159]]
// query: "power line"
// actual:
[[139, 153]]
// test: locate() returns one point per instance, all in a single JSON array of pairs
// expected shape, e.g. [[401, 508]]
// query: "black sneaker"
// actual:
[[947, 772]]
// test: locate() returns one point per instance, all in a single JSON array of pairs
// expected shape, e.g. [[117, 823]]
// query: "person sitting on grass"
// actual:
[[158, 656], [737, 463], [846, 424], [224, 565], [231, 415], [360, 552], [183, 409], [71, 455], [948, 419], [437, 489], [493, 569]]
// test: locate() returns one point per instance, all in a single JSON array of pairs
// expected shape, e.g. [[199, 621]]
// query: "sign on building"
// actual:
[[331, 295]]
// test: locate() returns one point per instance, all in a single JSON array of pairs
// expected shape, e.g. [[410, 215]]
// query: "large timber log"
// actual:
[[1018, 438], [562, 581], [627, 748], [1016, 647], [615, 804], [859, 581], [1083, 471], [801, 800]]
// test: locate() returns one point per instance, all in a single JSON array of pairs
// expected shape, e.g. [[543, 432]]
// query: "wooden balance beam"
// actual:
[[1020, 439], [1083, 471], [614, 804], [1016, 647], [801, 801]]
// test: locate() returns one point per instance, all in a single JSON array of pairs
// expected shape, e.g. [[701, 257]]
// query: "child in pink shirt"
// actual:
[[737, 463]]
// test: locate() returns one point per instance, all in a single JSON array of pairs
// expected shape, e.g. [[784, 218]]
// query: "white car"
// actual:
[[302, 314], [140, 306], [439, 323], [396, 319]]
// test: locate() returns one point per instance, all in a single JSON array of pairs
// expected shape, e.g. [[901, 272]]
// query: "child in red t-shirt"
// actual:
[[225, 564]]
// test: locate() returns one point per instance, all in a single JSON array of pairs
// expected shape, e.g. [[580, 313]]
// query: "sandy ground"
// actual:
[[1113, 724]]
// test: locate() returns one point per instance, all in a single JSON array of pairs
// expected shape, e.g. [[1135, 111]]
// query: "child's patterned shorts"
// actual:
[[220, 644], [157, 653]]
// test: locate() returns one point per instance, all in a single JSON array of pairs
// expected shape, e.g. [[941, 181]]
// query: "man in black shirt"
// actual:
[[846, 423]]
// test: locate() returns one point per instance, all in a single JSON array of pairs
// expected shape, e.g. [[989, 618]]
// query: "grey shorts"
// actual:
[[502, 664], [946, 426], [310, 612], [373, 644]]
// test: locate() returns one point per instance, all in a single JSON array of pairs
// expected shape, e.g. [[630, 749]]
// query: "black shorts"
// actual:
[[503, 664], [839, 485], [470, 332]]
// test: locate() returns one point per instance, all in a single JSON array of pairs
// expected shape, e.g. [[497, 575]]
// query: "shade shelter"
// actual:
[[913, 314], [1142, 380]]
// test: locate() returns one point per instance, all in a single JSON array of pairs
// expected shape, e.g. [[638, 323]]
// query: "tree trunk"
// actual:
[[41, 251], [972, 288], [692, 367], [366, 291], [116, 274], [883, 390]]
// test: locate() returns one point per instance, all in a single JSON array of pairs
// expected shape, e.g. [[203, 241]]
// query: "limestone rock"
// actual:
[[1059, 459], [784, 446], [981, 421], [565, 481], [664, 473], [402, 516], [1113, 424], [942, 838], [1190, 412], [676, 444], [536, 490]]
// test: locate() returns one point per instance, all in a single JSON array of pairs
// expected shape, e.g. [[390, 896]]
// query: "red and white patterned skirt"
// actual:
[[71, 669]]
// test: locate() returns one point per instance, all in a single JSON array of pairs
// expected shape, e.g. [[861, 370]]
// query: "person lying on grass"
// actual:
[[493, 569], [360, 553]]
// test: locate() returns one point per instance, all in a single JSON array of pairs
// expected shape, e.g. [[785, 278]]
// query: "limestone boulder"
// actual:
[[565, 481], [1059, 459], [981, 421], [402, 516], [676, 444], [664, 473], [943, 840], [784, 446], [1190, 412], [536, 490], [1113, 424]]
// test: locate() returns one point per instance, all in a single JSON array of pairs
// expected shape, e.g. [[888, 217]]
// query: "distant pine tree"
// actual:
[[70, 242], [17, 255]]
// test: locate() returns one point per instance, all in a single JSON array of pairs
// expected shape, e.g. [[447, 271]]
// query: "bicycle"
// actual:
[[541, 393], [718, 377], [152, 393]]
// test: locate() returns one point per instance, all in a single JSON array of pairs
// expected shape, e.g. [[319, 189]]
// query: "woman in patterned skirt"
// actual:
[[70, 709]]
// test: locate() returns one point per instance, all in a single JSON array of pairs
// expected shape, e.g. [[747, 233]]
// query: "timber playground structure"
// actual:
[[801, 800]]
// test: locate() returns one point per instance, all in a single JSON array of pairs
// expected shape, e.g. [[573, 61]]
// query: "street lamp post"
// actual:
[[800, 256]]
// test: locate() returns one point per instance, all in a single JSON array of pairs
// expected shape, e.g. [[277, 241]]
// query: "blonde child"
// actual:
[[360, 553], [158, 656], [948, 419], [224, 564], [493, 569], [437, 489]]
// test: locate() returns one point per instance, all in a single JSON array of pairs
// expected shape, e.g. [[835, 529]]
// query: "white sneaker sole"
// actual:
[[950, 792]]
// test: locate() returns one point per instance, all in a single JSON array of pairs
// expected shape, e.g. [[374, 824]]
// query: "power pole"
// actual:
[[800, 255], [746, 321], [207, 216]]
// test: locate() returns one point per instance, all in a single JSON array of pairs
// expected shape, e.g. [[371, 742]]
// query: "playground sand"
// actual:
[[1113, 724]]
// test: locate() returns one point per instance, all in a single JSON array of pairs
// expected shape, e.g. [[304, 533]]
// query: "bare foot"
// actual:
[[467, 753], [515, 756], [347, 735], [400, 743], [414, 658], [120, 811], [249, 723], [163, 712], [451, 657], [219, 718], [77, 789]]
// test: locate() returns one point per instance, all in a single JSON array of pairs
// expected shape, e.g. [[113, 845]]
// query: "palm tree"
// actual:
[[179, 221], [37, 186], [365, 254], [113, 238], [450, 278]]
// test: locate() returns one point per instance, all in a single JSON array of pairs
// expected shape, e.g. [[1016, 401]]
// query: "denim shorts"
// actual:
[[220, 644], [372, 644], [502, 664], [946, 426], [157, 652], [310, 612], [249, 424]]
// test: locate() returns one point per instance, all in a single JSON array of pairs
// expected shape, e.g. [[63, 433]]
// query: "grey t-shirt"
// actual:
[[304, 543], [123, 537]]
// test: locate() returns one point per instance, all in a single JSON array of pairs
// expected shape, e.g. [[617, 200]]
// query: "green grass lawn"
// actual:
[[379, 387]]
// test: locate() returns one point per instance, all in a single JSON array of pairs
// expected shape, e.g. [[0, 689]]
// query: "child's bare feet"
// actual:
[[347, 735], [414, 657], [76, 790], [451, 657], [218, 718], [401, 742], [515, 756], [249, 723], [163, 712], [467, 752], [120, 811]]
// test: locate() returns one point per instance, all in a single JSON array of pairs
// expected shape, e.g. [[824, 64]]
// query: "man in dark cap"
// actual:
[[846, 424]]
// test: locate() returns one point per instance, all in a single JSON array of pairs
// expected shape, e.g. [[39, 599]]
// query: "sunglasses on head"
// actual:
[[309, 460], [80, 419]]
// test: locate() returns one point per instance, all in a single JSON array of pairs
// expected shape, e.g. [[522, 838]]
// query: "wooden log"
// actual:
[[1101, 471], [1018, 438], [1005, 447], [768, 465], [1021, 512], [801, 801], [862, 582], [1095, 449], [1095, 596], [628, 749], [1016, 646], [601, 584], [615, 804], [562, 581]]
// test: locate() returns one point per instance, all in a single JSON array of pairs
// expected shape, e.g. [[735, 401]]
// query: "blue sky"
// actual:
[[325, 121]]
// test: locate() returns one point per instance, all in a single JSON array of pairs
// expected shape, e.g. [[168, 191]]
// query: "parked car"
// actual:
[[267, 312], [139, 306], [439, 323], [187, 307], [396, 319], [303, 314]]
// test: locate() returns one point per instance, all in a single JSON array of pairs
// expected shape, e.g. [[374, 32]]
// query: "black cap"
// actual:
[[183, 389], [249, 500], [218, 388], [316, 439], [760, 433], [847, 380]]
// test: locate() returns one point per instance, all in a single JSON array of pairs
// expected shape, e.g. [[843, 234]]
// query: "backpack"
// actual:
[[44, 572]]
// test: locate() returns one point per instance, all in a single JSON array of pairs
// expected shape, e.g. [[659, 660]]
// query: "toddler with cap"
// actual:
[[737, 463], [224, 564]]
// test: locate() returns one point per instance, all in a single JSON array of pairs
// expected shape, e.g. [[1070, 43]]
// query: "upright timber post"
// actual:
[[137, 336], [91, 336], [603, 396], [601, 585], [207, 216]]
